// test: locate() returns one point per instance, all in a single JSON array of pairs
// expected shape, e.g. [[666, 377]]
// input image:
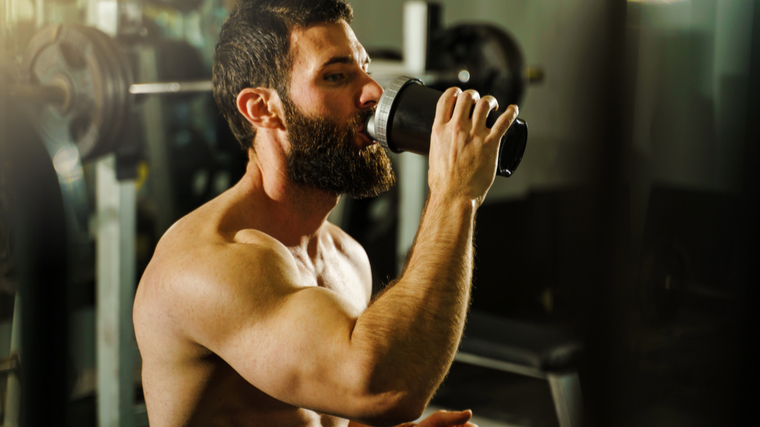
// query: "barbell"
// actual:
[[77, 80], [79, 84]]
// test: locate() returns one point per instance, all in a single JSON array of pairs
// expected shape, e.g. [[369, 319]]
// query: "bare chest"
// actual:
[[336, 273]]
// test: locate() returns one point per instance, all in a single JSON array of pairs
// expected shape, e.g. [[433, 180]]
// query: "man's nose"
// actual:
[[371, 93]]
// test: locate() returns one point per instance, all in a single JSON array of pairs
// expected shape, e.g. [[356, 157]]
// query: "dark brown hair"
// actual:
[[254, 50]]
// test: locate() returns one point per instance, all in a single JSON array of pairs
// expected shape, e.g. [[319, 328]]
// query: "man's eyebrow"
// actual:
[[348, 59]]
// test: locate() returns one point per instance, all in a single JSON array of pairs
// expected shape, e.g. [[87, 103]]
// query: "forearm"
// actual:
[[403, 344], [410, 333]]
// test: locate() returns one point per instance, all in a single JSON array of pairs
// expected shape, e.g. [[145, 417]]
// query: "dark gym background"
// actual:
[[632, 222]]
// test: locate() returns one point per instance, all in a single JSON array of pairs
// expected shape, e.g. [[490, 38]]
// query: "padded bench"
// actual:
[[522, 348]]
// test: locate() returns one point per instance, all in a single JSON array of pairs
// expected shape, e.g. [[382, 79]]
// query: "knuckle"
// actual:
[[448, 95], [451, 92], [491, 99]]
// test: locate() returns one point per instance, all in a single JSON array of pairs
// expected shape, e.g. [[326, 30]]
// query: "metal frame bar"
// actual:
[[499, 365], [116, 271], [566, 394], [116, 280], [412, 169]]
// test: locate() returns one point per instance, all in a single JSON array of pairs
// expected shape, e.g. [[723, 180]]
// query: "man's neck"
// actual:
[[289, 212]]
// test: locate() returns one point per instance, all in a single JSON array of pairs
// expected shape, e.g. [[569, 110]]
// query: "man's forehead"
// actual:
[[321, 44]]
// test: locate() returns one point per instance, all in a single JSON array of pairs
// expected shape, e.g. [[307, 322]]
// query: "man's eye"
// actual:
[[335, 77]]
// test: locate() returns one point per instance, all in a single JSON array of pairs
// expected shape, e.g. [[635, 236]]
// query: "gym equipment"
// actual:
[[526, 349], [79, 78], [72, 75], [81, 88], [491, 56], [404, 119]]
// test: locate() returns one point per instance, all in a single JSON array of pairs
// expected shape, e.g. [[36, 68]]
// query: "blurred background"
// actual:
[[629, 229]]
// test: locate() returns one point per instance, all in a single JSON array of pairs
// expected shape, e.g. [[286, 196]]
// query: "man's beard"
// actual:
[[323, 155]]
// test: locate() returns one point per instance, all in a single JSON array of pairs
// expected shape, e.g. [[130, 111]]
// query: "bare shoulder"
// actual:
[[199, 280]]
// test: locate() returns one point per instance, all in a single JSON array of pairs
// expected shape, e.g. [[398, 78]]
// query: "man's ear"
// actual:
[[261, 107]]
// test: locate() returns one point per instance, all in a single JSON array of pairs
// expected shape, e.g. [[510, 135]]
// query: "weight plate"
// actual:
[[88, 65], [491, 55], [120, 73], [83, 125]]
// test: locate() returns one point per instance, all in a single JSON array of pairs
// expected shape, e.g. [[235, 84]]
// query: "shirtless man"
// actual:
[[255, 311]]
